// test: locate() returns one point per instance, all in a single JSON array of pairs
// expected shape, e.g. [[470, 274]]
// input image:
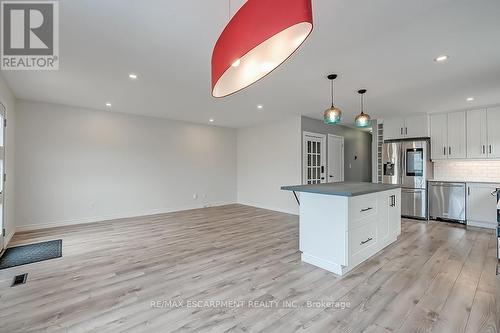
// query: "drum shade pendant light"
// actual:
[[362, 119], [333, 115], [259, 38]]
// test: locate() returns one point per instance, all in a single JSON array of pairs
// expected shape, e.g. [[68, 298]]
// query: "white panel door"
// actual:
[[314, 150], [477, 134], [393, 128], [439, 136], [417, 126], [457, 135], [335, 159], [494, 132]]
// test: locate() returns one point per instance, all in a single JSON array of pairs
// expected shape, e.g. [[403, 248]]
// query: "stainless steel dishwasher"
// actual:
[[447, 201]]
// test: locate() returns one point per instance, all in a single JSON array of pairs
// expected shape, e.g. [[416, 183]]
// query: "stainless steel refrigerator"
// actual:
[[407, 163]]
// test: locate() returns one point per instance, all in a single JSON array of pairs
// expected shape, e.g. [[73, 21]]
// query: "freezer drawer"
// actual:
[[414, 203], [447, 201]]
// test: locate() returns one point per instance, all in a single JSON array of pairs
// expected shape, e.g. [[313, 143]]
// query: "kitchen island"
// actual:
[[344, 224]]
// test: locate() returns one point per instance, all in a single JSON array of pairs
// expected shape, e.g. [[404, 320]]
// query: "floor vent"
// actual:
[[20, 279]]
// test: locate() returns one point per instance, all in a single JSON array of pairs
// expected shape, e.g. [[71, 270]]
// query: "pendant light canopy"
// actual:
[[333, 115], [363, 120], [259, 38]]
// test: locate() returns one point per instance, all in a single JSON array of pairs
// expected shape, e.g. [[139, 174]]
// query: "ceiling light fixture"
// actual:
[[362, 120], [470, 99], [132, 76], [108, 105], [333, 115], [261, 36], [211, 120], [441, 58], [260, 106]]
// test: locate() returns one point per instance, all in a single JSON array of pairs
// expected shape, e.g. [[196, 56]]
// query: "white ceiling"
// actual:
[[385, 46]]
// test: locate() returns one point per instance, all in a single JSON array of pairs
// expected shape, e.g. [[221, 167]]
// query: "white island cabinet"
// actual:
[[344, 224]]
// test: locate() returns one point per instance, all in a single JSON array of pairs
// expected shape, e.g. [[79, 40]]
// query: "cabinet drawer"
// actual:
[[362, 206], [363, 237]]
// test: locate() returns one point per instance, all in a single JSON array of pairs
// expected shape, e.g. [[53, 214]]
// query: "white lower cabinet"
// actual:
[[338, 233], [481, 205]]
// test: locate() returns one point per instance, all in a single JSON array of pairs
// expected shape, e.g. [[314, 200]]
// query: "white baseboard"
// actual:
[[322, 263], [8, 237], [64, 223], [482, 224], [275, 209]]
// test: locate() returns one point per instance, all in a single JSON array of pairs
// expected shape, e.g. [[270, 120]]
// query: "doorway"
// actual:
[[314, 158], [3, 124], [335, 158]]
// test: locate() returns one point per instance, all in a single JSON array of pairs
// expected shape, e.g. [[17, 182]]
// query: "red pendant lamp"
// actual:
[[259, 38]]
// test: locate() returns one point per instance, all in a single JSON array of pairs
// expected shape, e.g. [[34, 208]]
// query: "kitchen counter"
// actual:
[[344, 189], [344, 224]]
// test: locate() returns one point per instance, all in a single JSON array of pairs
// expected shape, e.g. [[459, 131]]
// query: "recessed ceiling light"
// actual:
[[470, 99], [441, 58], [211, 120], [108, 105], [260, 106], [132, 76]]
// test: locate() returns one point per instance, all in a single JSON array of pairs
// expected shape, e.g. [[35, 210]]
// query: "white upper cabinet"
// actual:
[[406, 128], [439, 136], [393, 128], [448, 136], [473, 134], [417, 126], [457, 135], [477, 138], [493, 116]]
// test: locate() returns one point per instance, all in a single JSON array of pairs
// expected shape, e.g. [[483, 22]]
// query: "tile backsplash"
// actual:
[[467, 170]]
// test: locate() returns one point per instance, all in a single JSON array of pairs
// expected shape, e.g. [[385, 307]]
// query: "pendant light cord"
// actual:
[[332, 92], [362, 104]]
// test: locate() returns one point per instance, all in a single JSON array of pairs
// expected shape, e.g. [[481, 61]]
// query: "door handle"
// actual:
[[449, 150], [330, 176], [406, 130], [468, 190], [366, 241], [490, 149], [322, 169], [401, 130], [444, 150], [366, 209], [484, 149]]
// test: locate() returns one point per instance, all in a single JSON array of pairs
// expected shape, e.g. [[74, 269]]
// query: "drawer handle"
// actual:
[[366, 241], [366, 209]]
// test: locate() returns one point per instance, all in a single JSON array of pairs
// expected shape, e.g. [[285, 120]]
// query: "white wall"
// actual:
[[77, 165], [269, 157], [8, 99]]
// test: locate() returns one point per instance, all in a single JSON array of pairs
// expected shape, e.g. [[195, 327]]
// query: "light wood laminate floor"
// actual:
[[437, 278]]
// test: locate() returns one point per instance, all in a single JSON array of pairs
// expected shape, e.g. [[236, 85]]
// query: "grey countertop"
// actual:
[[345, 189]]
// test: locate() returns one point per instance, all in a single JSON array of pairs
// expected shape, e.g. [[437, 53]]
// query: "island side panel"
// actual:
[[323, 230]]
